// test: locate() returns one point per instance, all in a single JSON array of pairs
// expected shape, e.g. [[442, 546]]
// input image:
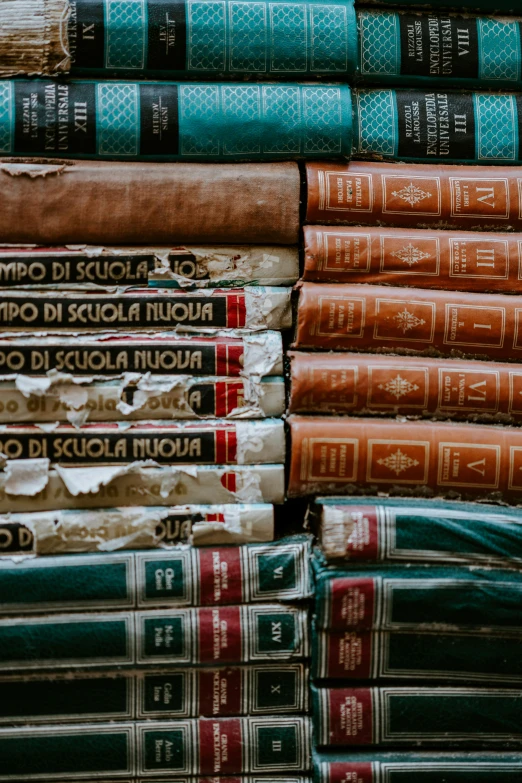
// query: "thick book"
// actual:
[[231, 353], [357, 383], [31, 485], [152, 695], [453, 261], [395, 319], [412, 767], [384, 193], [136, 527], [434, 656], [255, 307], [374, 529], [174, 397], [146, 749], [333, 455], [148, 203], [184, 576], [213, 636], [159, 267], [212, 442], [419, 598], [175, 121], [417, 716]]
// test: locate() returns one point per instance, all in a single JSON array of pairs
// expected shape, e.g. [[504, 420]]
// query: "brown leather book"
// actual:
[[455, 261], [122, 202], [406, 385], [338, 455], [408, 320], [403, 194]]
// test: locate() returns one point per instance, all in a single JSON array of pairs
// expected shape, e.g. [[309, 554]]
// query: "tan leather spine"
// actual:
[[455, 261], [406, 385], [415, 195], [339, 455], [33, 37], [143, 203], [409, 320]]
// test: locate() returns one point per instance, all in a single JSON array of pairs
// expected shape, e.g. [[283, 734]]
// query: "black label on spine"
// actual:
[[186, 265], [167, 35], [518, 101], [159, 124], [439, 46], [55, 117], [438, 125], [113, 312], [61, 268], [200, 397], [15, 537], [87, 33]]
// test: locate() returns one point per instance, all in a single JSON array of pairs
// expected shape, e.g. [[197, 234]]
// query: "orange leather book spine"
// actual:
[[407, 385], [408, 320], [339, 455], [455, 261], [422, 194]]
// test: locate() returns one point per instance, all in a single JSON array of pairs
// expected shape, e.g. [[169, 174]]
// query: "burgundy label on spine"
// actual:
[[220, 635], [349, 772], [350, 716], [220, 746], [220, 692], [352, 603], [220, 575], [362, 542], [349, 655]]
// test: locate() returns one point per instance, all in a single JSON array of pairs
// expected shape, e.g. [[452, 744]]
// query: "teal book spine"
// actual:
[[174, 121], [453, 657], [417, 716], [434, 126], [438, 48], [263, 689], [420, 599], [370, 529], [184, 576], [187, 39], [415, 767], [153, 749], [210, 636]]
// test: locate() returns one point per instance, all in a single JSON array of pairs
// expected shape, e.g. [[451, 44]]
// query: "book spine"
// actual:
[[463, 261], [438, 49], [103, 355], [420, 125], [159, 694], [414, 196], [183, 637], [180, 267], [411, 386], [365, 655], [344, 317], [422, 533], [251, 308], [147, 749], [389, 716], [198, 121], [333, 455], [149, 398], [61, 532], [185, 576], [242, 442], [28, 485]]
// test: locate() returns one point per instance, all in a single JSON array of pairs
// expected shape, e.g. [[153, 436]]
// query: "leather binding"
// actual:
[[392, 657], [453, 261], [154, 695], [389, 716], [208, 636], [118, 203], [146, 749], [183, 576], [336, 455], [420, 195], [356, 383], [408, 320]]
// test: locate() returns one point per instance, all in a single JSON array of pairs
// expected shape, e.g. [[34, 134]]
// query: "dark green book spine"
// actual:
[[411, 716], [150, 749], [182, 637]]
